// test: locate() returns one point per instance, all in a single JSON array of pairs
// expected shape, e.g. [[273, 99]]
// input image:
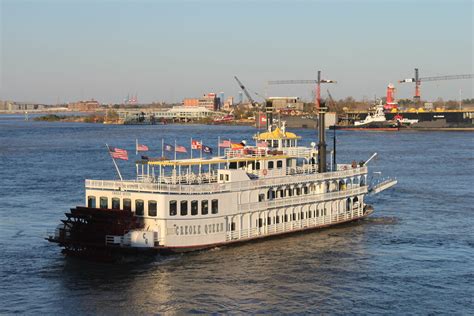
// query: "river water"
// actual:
[[414, 255]]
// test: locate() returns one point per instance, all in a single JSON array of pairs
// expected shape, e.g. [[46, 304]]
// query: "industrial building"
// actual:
[[84, 106], [209, 101], [287, 103]]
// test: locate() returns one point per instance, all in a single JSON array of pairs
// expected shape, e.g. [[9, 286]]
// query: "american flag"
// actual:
[[225, 144], [195, 144], [141, 147], [181, 149], [118, 153]]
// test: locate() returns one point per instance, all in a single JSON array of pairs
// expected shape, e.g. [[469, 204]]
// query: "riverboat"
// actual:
[[275, 187]]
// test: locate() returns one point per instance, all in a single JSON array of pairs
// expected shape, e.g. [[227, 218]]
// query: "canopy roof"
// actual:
[[276, 134]]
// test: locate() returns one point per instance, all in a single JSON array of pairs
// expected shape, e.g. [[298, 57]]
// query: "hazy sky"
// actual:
[[168, 50]]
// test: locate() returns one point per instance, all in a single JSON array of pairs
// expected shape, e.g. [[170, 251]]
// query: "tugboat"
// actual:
[[250, 192], [375, 120]]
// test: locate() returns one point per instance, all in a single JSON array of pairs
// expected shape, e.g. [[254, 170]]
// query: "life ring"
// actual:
[[264, 172]]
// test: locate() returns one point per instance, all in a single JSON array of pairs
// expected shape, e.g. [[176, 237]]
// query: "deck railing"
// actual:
[[220, 187]]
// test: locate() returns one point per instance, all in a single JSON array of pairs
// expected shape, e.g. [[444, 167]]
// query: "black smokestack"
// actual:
[[322, 139], [269, 113]]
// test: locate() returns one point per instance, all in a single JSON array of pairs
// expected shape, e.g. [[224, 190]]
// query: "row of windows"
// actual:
[[258, 166], [183, 207], [127, 205], [272, 194]]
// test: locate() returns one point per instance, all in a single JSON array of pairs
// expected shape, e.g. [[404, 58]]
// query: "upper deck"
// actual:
[[300, 176]]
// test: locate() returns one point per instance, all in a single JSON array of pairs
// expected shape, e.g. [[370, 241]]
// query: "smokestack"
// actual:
[[269, 113], [321, 125]]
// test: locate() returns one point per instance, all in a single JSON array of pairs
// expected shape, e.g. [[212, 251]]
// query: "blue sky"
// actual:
[[168, 50]]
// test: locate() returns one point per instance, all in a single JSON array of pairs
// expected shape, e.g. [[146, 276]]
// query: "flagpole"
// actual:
[[175, 149], [136, 146], [162, 148], [219, 150], [191, 148], [115, 164]]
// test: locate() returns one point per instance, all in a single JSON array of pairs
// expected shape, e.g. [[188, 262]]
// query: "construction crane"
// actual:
[[334, 105], [417, 80], [241, 85], [317, 82]]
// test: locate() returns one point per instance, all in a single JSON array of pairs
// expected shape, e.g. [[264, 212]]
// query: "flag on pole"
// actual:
[[225, 144], [181, 149], [196, 144], [118, 153], [141, 147], [168, 147], [237, 146], [207, 149]]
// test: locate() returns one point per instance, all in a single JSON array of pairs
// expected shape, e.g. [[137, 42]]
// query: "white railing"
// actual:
[[220, 187], [293, 225], [310, 198]]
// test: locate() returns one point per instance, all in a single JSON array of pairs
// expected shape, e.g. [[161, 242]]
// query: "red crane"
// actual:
[[417, 80]]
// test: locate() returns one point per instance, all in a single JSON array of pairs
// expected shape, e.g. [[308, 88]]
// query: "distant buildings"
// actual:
[[10, 106], [209, 101], [228, 104], [176, 113], [84, 106]]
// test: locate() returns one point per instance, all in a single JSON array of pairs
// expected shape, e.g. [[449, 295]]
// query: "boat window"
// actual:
[[277, 220], [233, 165], [261, 197], [173, 208], [270, 164], [269, 220], [260, 222], [183, 209], [204, 207], [194, 207], [127, 204], [115, 203], [139, 206], [290, 192], [91, 201], [232, 226], [215, 206], [104, 202], [279, 164], [151, 208], [305, 190], [257, 165], [309, 214], [294, 217], [270, 194], [302, 215], [286, 218], [226, 177], [221, 177]]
